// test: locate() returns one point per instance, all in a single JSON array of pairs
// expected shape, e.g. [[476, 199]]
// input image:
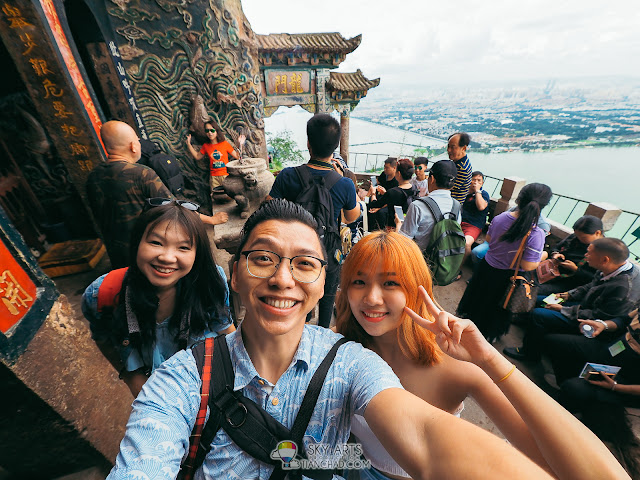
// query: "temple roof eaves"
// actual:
[[310, 42], [351, 82]]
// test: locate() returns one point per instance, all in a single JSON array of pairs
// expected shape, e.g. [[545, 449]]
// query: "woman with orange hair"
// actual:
[[386, 303]]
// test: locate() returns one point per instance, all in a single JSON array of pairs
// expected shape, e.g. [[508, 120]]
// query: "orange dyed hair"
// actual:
[[396, 253]]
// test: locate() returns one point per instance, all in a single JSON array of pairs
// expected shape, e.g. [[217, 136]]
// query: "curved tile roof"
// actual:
[[351, 82], [309, 42]]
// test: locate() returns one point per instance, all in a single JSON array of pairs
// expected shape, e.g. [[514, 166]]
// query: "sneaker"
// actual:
[[518, 353], [550, 378]]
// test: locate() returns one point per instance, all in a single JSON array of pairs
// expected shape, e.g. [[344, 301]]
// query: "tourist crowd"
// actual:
[[275, 394]]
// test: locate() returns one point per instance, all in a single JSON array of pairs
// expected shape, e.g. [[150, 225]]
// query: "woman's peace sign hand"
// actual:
[[457, 337]]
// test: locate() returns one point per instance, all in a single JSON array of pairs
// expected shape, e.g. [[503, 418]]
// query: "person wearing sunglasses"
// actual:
[[420, 181], [171, 296], [117, 190], [217, 150]]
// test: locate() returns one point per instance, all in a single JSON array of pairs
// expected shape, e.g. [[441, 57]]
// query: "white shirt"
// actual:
[[419, 221]]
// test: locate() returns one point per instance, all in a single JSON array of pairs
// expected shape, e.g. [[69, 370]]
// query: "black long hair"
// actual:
[[588, 224], [200, 294], [531, 200]]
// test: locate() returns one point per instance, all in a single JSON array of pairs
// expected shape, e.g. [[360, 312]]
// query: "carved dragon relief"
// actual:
[[210, 72]]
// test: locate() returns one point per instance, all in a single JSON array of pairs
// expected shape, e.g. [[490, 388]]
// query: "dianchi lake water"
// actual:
[[600, 174]]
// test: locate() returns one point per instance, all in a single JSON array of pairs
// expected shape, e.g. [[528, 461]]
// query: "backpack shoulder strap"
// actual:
[[331, 178], [306, 411], [313, 391], [433, 208], [110, 288], [303, 174], [455, 209], [222, 376], [203, 354]]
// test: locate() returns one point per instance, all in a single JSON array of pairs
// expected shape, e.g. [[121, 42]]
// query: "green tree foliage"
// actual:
[[428, 151], [284, 148]]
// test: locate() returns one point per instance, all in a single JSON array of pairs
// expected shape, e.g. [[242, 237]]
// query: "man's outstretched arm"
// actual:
[[430, 443]]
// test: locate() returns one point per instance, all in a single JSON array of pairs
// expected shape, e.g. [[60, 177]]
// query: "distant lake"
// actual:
[[602, 174]]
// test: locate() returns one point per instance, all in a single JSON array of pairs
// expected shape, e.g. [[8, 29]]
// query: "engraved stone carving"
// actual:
[[248, 183]]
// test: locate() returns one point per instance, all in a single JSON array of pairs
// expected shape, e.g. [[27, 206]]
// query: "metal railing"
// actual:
[[562, 208]]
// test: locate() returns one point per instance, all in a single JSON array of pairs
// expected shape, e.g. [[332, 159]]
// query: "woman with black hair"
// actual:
[[217, 150], [481, 301], [172, 296], [402, 195], [570, 255]]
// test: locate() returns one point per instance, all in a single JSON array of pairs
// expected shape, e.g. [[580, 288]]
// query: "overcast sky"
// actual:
[[421, 42]]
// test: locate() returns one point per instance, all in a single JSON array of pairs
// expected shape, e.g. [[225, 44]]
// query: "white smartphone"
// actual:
[[399, 212], [374, 181]]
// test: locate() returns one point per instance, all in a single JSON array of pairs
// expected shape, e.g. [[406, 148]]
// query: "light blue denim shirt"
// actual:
[[165, 345], [164, 413]]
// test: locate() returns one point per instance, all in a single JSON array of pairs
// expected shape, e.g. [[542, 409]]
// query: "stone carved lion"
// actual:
[[248, 183]]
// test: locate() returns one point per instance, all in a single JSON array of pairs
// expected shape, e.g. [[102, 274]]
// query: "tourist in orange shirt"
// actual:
[[218, 150]]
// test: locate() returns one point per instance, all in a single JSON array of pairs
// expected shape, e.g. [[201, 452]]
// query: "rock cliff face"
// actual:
[[186, 57]]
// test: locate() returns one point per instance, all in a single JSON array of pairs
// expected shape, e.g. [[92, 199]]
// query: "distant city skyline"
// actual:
[[495, 43]]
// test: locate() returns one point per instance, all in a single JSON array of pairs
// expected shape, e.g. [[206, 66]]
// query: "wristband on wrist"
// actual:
[[613, 387], [606, 326], [513, 368]]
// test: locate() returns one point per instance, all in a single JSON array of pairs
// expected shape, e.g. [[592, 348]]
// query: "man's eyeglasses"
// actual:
[[209, 130], [159, 202], [264, 264], [419, 167]]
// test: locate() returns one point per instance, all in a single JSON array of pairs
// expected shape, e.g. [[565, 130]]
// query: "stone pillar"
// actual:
[[344, 138], [63, 100], [323, 101], [63, 407], [606, 212], [510, 190]]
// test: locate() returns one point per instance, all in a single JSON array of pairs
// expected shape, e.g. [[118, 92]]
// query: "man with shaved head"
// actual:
[[118, 190]]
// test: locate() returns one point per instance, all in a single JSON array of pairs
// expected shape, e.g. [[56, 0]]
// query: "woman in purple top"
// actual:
[[481, 301]]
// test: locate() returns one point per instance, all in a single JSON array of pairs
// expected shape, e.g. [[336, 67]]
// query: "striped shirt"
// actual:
[[463, 179]]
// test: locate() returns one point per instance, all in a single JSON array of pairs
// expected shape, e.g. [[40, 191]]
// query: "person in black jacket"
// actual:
[[613, 293], [571, 255]]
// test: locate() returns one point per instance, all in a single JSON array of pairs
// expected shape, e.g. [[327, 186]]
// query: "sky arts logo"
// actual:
[[320, 456]]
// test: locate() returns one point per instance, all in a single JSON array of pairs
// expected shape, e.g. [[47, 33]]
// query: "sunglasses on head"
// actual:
[[159, 202], [209, 130]]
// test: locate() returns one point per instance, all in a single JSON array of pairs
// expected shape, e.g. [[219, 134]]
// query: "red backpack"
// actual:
[[110, 288]]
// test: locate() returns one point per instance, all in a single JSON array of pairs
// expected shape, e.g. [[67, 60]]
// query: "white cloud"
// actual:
[[417, 42]]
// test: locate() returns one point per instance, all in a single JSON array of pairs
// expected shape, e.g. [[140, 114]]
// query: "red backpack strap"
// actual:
[[110, 288], [187, 470]]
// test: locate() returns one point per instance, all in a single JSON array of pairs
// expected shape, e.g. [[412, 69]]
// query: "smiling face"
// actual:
[[595, 259], [165, 255], [278, 305], [377, 301], [454, 150]]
